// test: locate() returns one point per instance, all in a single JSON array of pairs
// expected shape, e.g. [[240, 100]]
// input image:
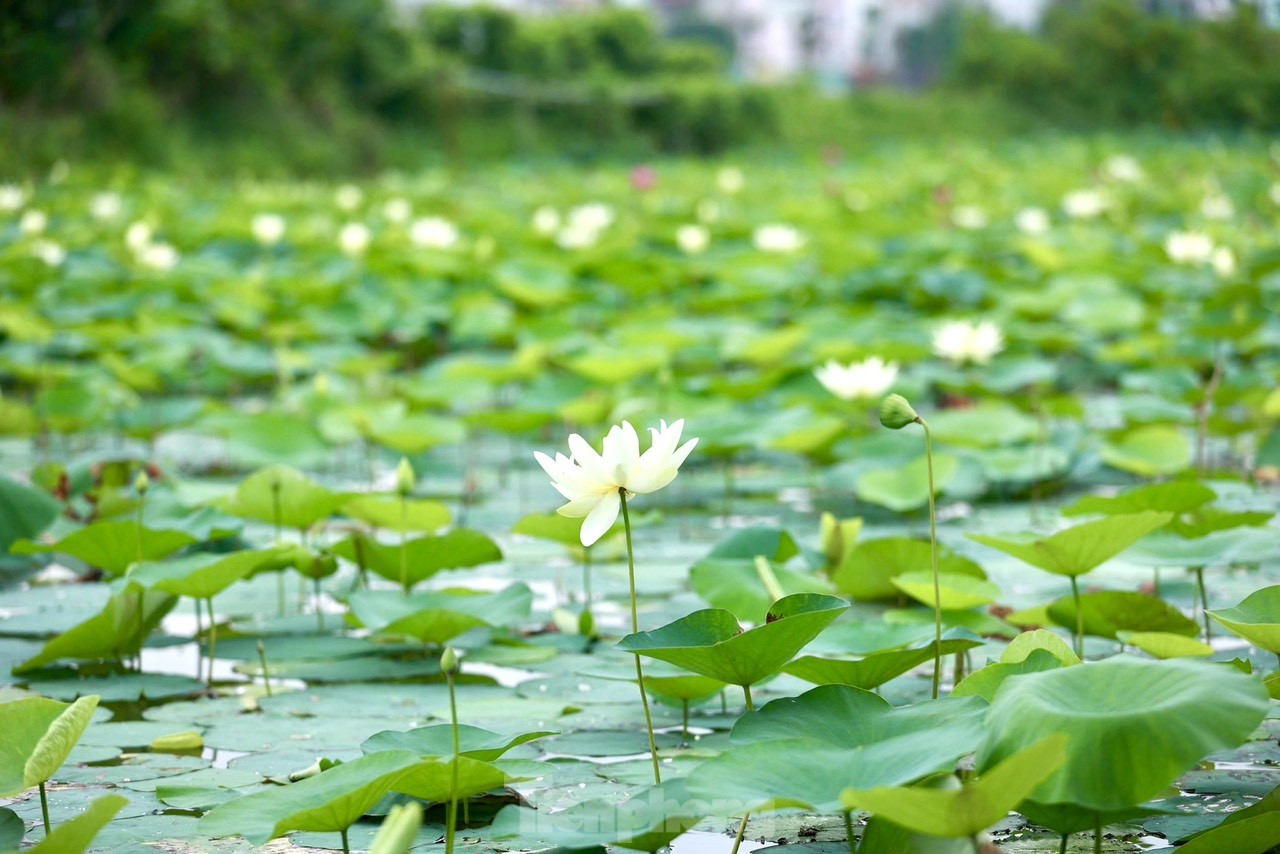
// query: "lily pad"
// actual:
[[1079, 549], [906, 488]]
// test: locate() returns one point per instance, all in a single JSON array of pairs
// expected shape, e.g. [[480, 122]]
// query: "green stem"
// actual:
[[319, 610], [44, 808], [346, 846], [452, 819], [635, 627], [685, 719], [199, 631], [1204, 600], [276, 515], [933, 543], [746, 692], [1062, 845], [1075, 598], [848, 829], [213, 639], [767, 577], [742, 829], [1097, 833], [262, 658], [586, 577]]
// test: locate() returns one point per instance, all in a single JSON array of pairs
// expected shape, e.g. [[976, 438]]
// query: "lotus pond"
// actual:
[[954, 530]]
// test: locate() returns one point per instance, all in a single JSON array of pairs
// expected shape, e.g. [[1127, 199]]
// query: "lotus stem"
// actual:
[[1075, 598], [767, 577], [1062, 845], [685, 719], [404, 548], [586, 577], [276, 516], [933, 544], [452, 818], [262, 658], [319, 609], [742, 829], [346, 846], [44, 808], [1097, 833], [213, 639], [848, 829], [1204, 600], [746, 692], [635, 627]]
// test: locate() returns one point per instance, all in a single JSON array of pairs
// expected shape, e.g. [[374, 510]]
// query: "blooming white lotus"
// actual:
[[546, 221], [137, 236], [1085, 204], [961, 341], [1189, 247], [1032, 221], [33, 222], [12, 197], [596, 483], [268, 228], [777, 237], [354, 238], [1224, 261], [105, 206], [867, 379], [158, 256], [693, 239], [434, 232], [49, 252]]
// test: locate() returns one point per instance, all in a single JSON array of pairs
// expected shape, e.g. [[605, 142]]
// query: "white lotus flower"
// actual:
[[33, 222], [106, 206], [1032, 221], [434, 232], [397, 210], [1085, 204], [546, 221], [268, 228], [730, 180], [970, 217], [1189, 247], [961, 341], [49, 252], [1224, 261], [354, 238], [693, 239], [12, 197], [867, 379], [777, 237], [1217, 206], [348, 197], [593, 215], [596, 484], [158, 256], [137, 236], [1123, 167]]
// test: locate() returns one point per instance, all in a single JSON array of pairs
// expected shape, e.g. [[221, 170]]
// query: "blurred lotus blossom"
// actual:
[[49, 252], [777, 237], [1189, 247], [730, 180], [33, 222], [1032, 221], [12, 197], [397, 210], [546, 220], [268, 228], [961, 341], [354, 238], [969, 217], [1085, 204], [433, 232], [1122, 167], [870, 378], [105, 206], [348, 197], [693, 239], [1217, 206]]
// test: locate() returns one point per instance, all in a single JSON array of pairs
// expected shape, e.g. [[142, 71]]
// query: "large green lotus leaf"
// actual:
[[539, 285], [648, 821], [282, 495], [1165, 644], [1256, 618], [456, 549], [1028, 642], [24, 512], [986, 425], [12, 830], [799, 431], [128, 687], [330, 801], [113, 633], [779, 774], [877, 668], [1081, 548], [1252, 830], [986, 682], [885, 837], [711, 642], [1178, 496], [432, 779], [1149, 451], [735, 584], [843, 716], [415, 433], [474, 742], [610, 366], [390, 513], [773, 544], [869, 568], [1023, 464], [112, 546], [905, 488], [970, 809], [1210, 520], [1111, 611], [201, 576], [957, 592], [1133, 725], [554, 527], [439, 616], [39, 734], [74, 836], [1218, 548], [270, 438]]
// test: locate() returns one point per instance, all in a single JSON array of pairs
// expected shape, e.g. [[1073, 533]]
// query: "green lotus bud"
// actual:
[[896, 413], [405, 479], [142, 483], [587, 624], [449, 661], [399, 829]]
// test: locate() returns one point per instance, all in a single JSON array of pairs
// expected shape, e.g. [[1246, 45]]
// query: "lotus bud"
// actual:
[[587, 624], [896, 413], [405, 479], [449, 661], [142, 483]]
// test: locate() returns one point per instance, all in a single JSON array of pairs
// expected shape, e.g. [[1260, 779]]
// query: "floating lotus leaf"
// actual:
[[1079, 549], [959, 592], [438, 616], [112, 546], [878, 668], [75, 835], [282, 495], [117, 631], [868, 570], [905, 488], [1149, 451], [458, 549], [390, 513], [1109, 612], [475, 743], [24, 511], [712, 643], [1179, 496]]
